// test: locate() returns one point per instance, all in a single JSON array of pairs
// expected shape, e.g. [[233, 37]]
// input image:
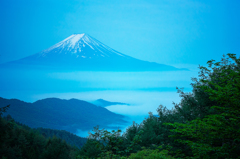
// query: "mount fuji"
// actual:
[[85, 53]]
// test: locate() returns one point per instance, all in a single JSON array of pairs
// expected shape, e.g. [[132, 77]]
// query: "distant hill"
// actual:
[[54, 113], [104, 103]]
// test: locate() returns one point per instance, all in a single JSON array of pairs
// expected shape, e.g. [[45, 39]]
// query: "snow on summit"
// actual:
[[81, 45], [75, 38], [68, 42]]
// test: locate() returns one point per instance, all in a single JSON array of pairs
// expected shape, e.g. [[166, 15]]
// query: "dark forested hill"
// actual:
[[70, 138], [20, 141], [54, 113]]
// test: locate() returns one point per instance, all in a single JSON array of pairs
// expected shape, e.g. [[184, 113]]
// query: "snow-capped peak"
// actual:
[[75, 38], [83, 52], [81, 45], [70, 41]]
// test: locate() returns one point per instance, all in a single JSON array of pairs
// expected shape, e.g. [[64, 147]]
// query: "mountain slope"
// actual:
[[54, 113], [83, 52], [70, 138]]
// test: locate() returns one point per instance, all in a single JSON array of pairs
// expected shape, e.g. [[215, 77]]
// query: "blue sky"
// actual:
[[174, 32]]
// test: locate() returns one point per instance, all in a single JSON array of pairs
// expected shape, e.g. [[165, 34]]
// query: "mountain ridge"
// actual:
[[54, 113], [85, 53]]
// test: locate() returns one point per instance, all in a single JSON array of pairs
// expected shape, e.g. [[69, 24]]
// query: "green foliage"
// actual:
[[18, 141], [151, 154], [105, 144], [70, 138], [216, 135], [89, 150], [57, 148], [108, 142], [143, 154]]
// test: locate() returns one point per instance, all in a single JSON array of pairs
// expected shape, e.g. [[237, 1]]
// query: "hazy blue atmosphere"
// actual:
[[179, 33]]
